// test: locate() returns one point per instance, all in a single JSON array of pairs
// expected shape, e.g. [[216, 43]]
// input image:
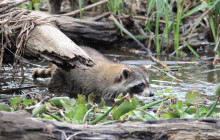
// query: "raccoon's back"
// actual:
[[95, 55]]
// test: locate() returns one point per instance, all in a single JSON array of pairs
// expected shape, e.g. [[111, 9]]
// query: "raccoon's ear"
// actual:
[[125, 73], [145, 67]]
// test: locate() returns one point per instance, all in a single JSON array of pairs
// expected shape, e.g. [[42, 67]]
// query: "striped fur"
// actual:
[[43, 73]]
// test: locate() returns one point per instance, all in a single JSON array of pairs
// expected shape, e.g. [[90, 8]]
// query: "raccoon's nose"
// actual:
[[151, 94]]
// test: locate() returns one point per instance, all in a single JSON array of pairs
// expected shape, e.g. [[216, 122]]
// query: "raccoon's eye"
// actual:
[[138, 88]]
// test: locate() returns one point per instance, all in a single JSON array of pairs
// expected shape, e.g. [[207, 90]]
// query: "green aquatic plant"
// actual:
[[34, 5], [217, 92], [125, 108]]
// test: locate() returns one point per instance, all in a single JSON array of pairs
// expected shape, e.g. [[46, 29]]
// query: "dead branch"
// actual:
[[5, 8], [12, 90]]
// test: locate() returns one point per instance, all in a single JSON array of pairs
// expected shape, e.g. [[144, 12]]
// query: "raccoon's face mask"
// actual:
[[135, 81]]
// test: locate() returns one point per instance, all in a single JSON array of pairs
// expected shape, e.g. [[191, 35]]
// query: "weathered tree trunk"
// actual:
[[22, 126], [49, 42], [85, 30]]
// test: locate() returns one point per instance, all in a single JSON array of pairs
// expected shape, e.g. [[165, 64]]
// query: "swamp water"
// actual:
[[192, 74]]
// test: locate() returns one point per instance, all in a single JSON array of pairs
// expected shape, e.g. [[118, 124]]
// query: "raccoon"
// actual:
[[106, 78], [55, 5]]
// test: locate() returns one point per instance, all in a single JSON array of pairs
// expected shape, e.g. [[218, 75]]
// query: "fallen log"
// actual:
[[21, 125], [85, 30], [50, 43], [40, 38]]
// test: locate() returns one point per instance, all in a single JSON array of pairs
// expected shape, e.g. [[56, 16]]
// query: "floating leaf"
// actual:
[[191, 110], [15, 101], [168, 115], [202, 111], [38, 110], [57, 100], [136, 119], [4, 107], [185, 115], [72, 101], [80, 109], [194, 98], [27, 102], [179, 105], [68, 107], [123, 108]]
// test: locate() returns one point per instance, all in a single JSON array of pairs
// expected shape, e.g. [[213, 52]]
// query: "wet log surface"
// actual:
[[50, 43], [23, 126]]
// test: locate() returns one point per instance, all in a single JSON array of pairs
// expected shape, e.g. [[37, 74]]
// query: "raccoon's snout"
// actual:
[[147, 92], [151, 94]]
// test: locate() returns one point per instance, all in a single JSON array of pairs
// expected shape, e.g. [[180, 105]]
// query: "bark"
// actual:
[[50, 43], [85, 30], [21, 125]]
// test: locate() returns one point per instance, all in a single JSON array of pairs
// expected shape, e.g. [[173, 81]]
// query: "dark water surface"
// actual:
[[193, 74]]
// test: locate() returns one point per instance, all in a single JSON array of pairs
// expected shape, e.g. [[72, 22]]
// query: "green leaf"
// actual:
[[194, 97], [168, 115], [56, 117], [191, 49], [130, 113], [194, 10], [191, 110], [123, 108], [47, 117], [22, 6], [30, 5], [4, 107], [212, 108], [136, 119], [39, 109], [179, 105], [36, 1], [202, 111], [36, 6], [91, 99], [80, 109], [15, 101], [27, 102], [72, 101], [135, 102], [57, 100], [150, 116], [185, 115], [217, 90], [102, 104], [69, 108]]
